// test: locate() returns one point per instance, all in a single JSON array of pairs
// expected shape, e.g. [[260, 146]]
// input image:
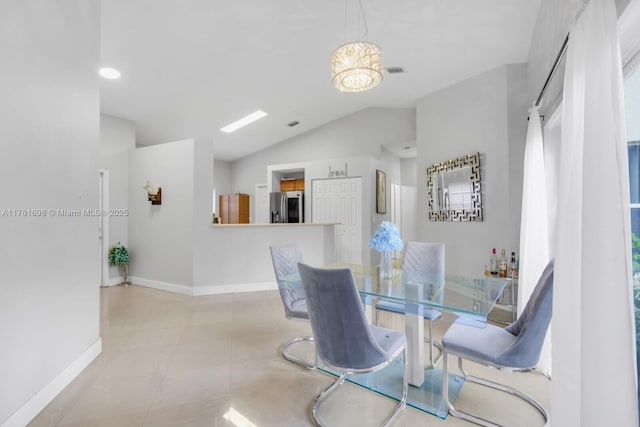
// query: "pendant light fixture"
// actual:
[[357, 66]]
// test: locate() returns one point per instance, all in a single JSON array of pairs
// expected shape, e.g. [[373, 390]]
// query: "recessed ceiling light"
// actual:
[[109, 73], [256, 115]]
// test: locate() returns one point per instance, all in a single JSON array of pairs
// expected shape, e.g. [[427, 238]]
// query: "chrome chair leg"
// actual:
[[433, 343], [405, 391], [294, 359], [322, 396], [501, 387], [333, 387]]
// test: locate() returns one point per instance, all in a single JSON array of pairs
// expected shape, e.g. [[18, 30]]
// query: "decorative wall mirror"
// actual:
[[453, 189]]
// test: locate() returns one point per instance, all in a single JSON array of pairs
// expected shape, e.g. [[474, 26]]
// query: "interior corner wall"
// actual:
[[472, 116], [161, 236], [222, 180], [518, 104], [203, 183], [116, 135], [49, 296], [409, 172], [117, 138]]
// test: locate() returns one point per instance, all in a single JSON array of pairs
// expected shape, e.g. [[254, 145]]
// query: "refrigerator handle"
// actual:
[[283, 208]]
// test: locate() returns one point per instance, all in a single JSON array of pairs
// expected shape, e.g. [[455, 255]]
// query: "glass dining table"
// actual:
[[470, 299]]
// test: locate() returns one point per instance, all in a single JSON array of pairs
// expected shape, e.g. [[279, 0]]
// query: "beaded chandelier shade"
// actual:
[[356, 67]]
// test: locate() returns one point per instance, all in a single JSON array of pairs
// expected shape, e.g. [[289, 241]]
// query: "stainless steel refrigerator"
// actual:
[[287, 207]]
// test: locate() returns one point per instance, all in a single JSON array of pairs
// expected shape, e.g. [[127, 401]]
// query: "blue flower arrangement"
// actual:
[[386, 238]]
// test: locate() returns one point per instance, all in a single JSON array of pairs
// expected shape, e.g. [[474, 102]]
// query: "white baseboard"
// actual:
[[204, 290], [230, 289], [113, 281], [163, 286], [37, 403]]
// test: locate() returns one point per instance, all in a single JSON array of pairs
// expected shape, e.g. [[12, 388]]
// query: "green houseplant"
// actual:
[[118, 255]]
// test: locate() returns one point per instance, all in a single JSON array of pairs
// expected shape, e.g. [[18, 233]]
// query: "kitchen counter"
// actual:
[[235, 257], [266, 224]]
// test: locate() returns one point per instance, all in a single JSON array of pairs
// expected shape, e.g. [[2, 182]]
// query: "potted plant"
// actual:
[[118, 255]]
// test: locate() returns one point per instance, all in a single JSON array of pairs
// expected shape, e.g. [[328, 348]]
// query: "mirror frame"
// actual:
[[473, 214]]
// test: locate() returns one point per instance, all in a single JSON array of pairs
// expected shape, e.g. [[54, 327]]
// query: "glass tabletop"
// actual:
[[471, 298]]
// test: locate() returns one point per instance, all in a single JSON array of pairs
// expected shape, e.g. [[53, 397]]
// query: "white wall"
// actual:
[[161, 236], [116, 135], [173, 245], [49, 108], [409, 178], [409, 172], [236, 258], [358, 134], [117, 138], [518, 102], [474, 116], [222, 180]]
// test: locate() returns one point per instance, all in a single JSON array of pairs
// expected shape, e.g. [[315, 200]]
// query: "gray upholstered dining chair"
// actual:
[[285, 260], [516, 347], [426, 259], [345, 341]]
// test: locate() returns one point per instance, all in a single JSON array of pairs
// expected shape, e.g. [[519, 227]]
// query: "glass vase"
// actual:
[[386, 265], [125, 278]]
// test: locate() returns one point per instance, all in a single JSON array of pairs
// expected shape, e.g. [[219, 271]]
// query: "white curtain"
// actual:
[[534, 229], [594, 370]]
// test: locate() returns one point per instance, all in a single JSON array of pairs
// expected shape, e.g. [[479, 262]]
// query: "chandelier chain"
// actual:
[[362, 19]]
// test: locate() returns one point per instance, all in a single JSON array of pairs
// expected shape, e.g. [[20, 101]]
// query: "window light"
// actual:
[[256, 115]]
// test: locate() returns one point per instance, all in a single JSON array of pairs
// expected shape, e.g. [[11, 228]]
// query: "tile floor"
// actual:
[[174, 360]]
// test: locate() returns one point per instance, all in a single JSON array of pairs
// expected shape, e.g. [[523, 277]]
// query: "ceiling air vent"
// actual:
[[394, 70], [293, 123]]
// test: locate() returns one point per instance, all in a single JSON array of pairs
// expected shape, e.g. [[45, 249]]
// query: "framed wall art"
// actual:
[[453, 189], [381, 192]]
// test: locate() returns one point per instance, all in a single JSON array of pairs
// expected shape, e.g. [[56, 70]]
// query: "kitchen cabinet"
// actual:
[[234, 208], [292, 184], [287, 185]]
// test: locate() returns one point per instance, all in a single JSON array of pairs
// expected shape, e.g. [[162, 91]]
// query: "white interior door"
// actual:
[[262, 204], [340, 201]]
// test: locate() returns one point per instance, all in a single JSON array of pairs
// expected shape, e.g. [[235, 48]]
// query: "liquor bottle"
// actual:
[[513, 267], [502, 265], [493, 263]]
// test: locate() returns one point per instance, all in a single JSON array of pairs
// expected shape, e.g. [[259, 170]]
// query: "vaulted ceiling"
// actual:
[[190, 67]]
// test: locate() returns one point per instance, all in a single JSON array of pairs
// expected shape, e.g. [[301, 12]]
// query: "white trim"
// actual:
[[204, 290], [113, 281], [163, 286], [237, 288], [37, 403]]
